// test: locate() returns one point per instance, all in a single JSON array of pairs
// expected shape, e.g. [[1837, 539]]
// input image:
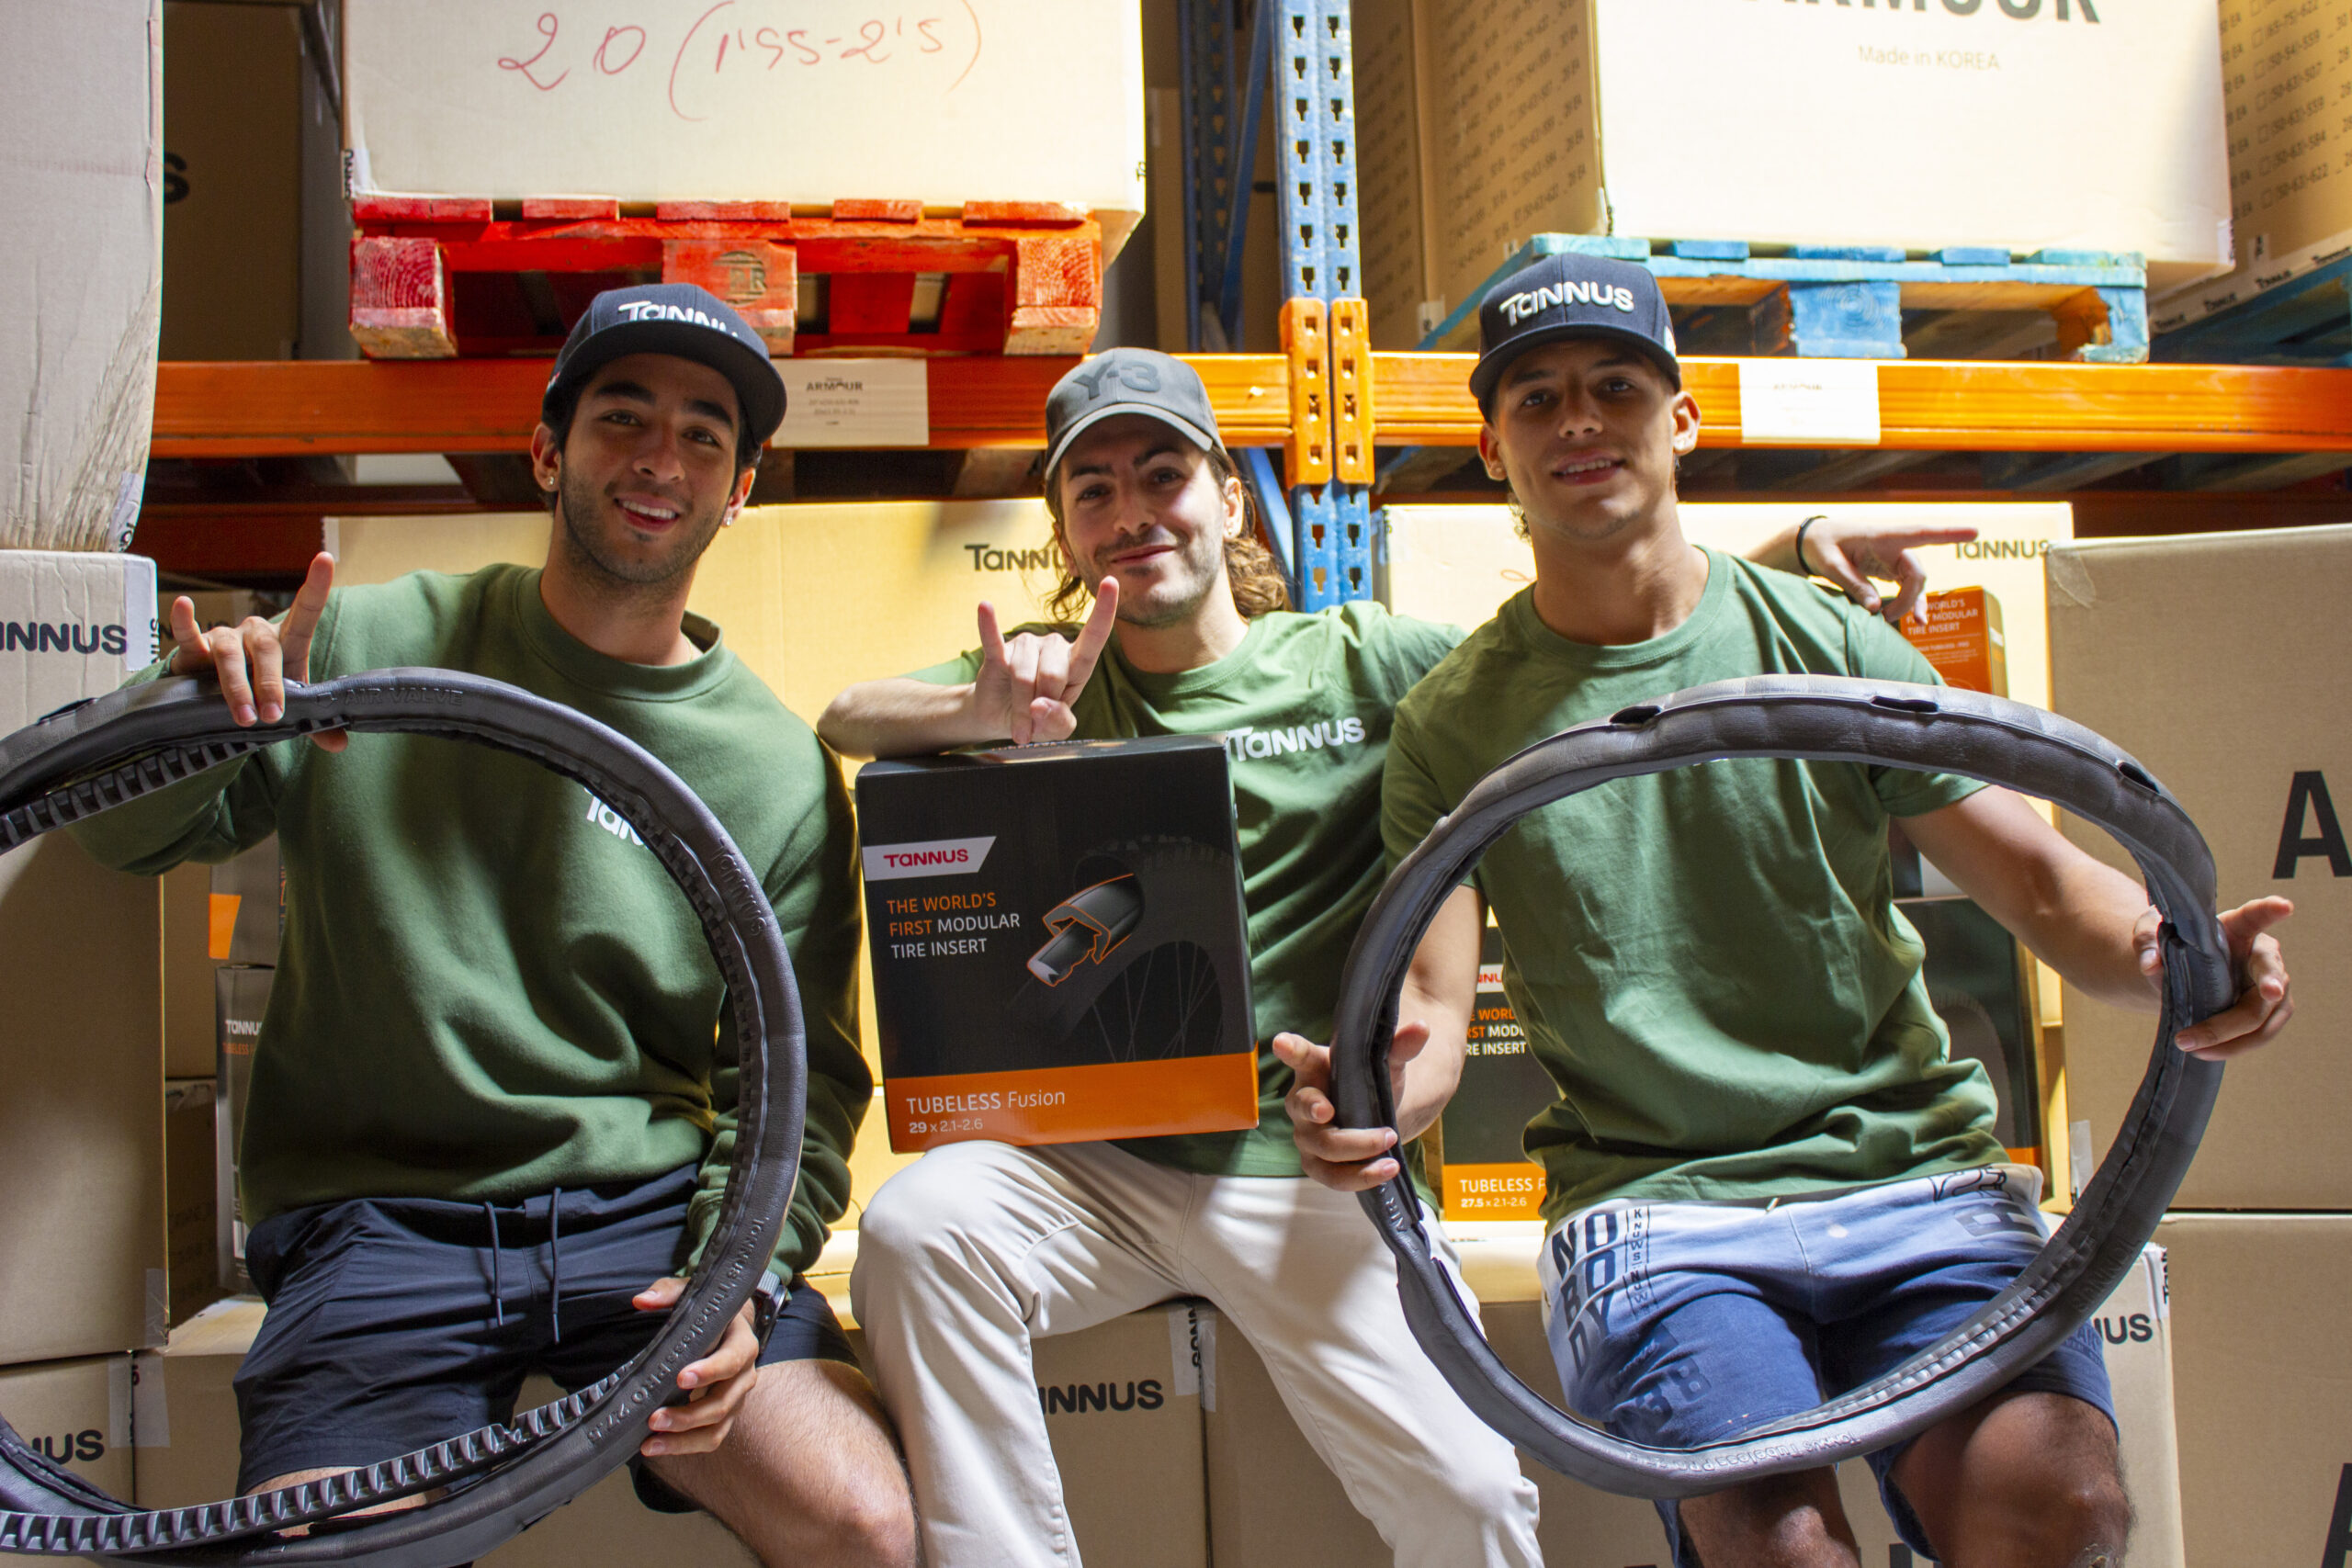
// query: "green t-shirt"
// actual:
[[488, 987], [1708, 962], [1303, 705]]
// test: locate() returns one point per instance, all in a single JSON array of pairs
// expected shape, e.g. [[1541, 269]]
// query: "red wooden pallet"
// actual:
[[437, 278]]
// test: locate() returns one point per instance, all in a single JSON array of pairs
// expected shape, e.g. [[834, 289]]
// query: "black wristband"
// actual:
[[1802, 569]]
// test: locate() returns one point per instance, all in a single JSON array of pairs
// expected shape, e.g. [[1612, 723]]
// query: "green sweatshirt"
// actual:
[[488, 987]]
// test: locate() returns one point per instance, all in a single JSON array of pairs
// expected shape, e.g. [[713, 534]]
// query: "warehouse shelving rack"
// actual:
[[1327, 401]]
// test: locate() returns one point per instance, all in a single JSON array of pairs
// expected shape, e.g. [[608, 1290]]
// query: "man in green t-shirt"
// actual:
[[1769, 1180], [492, 1106], [969, 1254]]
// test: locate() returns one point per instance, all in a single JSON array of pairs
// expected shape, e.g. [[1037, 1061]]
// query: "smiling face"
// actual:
[[1587, 431], [647, 473], [1139, 503]]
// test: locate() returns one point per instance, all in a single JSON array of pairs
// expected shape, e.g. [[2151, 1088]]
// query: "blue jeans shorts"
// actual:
[[1683, 1324]]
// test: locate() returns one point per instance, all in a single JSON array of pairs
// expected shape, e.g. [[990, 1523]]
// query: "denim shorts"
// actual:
[[1683, 1324], [394, 1322]]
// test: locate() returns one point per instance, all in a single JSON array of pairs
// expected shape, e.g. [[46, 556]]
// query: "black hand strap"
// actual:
[[99, 754], [1872, 722]]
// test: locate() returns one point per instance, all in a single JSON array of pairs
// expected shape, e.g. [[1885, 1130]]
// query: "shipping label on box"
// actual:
[[2220, 662], [1486, 1174], [75, 1414], [1059, 948], [241, 994]]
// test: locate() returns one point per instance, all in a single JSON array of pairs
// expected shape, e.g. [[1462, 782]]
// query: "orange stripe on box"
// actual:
[[220, 924], [1512, 1191], [1068, 1105]]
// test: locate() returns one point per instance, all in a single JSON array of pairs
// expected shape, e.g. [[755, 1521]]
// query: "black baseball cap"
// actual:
[[673, 318], [1569, 295], [1128, 380]]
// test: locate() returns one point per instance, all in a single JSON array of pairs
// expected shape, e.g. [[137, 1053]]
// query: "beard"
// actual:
[[1178, 600], [602, 556]]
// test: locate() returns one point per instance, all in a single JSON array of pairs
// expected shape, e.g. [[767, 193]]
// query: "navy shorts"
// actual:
[[1684, 1324], [395, 1322]]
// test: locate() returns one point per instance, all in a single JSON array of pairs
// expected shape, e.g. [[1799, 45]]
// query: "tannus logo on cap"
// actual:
[[1552, 296]]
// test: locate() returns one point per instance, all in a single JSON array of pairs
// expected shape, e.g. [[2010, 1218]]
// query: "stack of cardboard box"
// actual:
[[81, 1069], [2218, 661]]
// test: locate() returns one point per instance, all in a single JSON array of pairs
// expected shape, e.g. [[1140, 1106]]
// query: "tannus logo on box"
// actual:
[[1059, 948]]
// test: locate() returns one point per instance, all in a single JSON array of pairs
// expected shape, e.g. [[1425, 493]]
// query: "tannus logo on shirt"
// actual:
[[1246, 741]]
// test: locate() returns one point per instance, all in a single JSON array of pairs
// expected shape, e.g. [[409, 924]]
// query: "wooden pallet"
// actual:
[[437, 278], [1868, 302], [2304, 320]]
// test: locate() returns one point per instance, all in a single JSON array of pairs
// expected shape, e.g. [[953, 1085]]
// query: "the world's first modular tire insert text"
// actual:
[[1928, 728], [499, 1479]]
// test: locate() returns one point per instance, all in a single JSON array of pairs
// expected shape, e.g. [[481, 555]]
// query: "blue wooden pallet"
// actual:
[[2305, 321], [1858, 301]]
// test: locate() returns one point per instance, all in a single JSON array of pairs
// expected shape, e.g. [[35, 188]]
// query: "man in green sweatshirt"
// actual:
[[493, 1098]]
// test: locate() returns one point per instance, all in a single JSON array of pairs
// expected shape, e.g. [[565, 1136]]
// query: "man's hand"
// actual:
[[717, 1385], [2263, 1003], [1850, 554], [254, 658], [1352, 1160], [1028, 688]]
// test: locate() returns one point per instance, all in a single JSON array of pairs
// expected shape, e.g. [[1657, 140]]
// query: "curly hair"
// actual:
[[1256, 582]]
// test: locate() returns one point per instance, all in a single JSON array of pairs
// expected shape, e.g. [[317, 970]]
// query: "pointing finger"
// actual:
[[302, 620], [991, 640], [1095, 634]]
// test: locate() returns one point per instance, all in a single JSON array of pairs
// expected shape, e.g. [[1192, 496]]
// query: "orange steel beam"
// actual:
[[1969, 406], [282, 408]]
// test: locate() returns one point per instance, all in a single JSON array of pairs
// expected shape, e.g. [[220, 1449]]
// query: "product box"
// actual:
[[241, 997], [185, 1410], [1545, 117], [1122, 1405], [76, 1414], [2238, 728], [1959, 633], [507, 100], [83, 130], [81, 1067], [2287, 74], [247, 912], [191, 1198], [1058, 944], [2261, 1319], [1485, 1174], [1272, 1503], [232, 200]]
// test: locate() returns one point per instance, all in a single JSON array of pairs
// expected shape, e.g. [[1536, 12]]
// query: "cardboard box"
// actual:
[[2285, 75], [81, 1069], [2261, 1313], [232, 202], [185, 1412], [1548, 117], [1960, 634], [245, 913], [1123, 1405], [76, 1414], [189, 1033], [2235, 726], [191, 1200], [83, 171], [1058, 944], [241, 997], [455, 98], [1273, 1504]]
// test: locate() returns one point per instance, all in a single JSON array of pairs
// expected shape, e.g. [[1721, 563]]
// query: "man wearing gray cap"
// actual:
[[969, 1254], [1769, 1183], [492, 1108]]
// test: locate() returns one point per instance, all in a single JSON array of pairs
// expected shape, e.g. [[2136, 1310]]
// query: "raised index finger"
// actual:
[[1091, 638], [302, 620], [991, 640]]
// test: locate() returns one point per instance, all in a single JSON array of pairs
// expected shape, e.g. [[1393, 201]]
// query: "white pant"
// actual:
[[966, 1256]]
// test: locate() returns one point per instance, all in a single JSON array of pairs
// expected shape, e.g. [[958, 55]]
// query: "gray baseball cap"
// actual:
[[1128, 380]]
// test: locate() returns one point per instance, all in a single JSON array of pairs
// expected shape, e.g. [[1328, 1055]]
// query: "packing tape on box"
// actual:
[[85, 759], [1930, 729]]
